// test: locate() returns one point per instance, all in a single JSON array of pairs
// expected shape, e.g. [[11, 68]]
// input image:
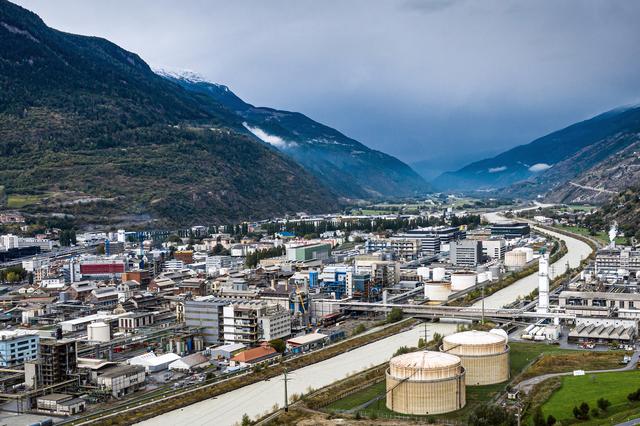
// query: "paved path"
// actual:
[[526, 385]]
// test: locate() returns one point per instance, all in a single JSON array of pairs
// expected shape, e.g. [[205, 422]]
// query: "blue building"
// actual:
[[18, 346]]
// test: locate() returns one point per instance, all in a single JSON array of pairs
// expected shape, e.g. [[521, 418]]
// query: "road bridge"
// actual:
[[427, 311]]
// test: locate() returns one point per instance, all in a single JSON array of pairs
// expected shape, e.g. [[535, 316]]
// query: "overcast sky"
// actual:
[[421, 80]]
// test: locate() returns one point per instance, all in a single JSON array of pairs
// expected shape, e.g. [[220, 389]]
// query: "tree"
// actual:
[[394, 315], [551, 420], [538, 418], [246, 421], [360, 328], [491, 414], [421, 343], [582, 412], [603, 404], [279, 345]]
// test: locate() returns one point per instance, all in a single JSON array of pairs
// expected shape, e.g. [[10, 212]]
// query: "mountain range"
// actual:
[[349, 168], [586, 162], [88, 129]]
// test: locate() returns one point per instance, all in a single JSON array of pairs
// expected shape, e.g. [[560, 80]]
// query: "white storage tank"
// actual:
[[463, 280], [425, 382], [528, 253], [437, 290], [484, 355], [515, 259], [438, 274], [483, 276], [98, 332], [424, 273]]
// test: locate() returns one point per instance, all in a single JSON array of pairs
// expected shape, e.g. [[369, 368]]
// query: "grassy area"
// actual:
[[574, 360], [17, 201], [577, 389], [359, 398]]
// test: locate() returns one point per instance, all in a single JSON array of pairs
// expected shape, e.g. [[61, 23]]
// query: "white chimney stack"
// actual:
[[543, 283]]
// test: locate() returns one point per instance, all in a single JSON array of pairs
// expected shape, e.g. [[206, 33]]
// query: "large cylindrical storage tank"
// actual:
[[425, 382], [515, 259], [437, 290], [424, 273], [484, 355], [98, 332], [438, 274], [462, 280]]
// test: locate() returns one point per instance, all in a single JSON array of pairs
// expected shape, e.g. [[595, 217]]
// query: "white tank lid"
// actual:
[[475, 337]]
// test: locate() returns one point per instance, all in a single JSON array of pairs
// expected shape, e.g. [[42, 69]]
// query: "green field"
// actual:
[[577, 389], [17, 201]]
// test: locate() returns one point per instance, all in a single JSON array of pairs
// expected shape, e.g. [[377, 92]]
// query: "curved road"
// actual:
[[259, 398]]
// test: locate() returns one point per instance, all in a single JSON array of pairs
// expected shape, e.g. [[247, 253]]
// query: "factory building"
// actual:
[[425, 382], [465, 253], [18, 346], [406, 248], [484, 356], [206, 313], [494, 249], [610, 260], [510, 230], [433, 238], [309, 252]]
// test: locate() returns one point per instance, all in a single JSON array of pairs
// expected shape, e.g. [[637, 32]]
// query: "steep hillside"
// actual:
[[347, 166], [553, 159], [624, 209], [92, 130]]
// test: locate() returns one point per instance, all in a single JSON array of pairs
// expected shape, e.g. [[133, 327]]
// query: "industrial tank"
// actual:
[[425, 382], [484, 355], [494, 272], [424, 273], [438, 274], [437, 290], [98, 332], [462, 280], [515, 259]]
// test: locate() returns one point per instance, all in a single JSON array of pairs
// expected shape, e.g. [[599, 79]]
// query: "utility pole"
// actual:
[[426, 335], [483, 284], [286, 395]]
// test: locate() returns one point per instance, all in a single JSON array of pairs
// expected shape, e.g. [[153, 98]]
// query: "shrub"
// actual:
[[603, 404], [551, 420]]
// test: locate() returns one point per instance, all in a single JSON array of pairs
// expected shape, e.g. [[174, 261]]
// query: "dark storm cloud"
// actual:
[[417, 79]]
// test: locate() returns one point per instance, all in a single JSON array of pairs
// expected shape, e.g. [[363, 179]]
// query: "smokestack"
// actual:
[[543, 283]]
